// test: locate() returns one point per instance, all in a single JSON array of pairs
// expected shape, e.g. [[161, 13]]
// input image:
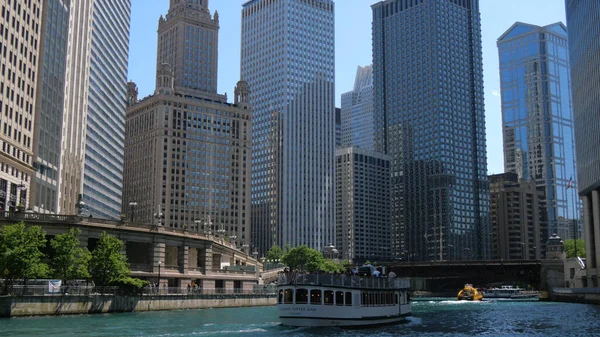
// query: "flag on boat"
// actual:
[[570, 184]]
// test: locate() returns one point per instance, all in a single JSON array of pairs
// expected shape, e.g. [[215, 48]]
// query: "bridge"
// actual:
[[447, 276], [167, 256]]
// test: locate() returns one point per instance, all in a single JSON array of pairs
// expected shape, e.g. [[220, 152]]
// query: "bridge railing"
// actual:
[[39, 217]]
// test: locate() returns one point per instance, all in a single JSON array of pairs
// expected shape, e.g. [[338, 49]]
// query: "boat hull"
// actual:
[[354, 323], [511, 298]]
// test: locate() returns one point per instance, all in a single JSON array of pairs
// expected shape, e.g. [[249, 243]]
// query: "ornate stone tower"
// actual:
[[242, 93], [164, 79], [132, 93], [188, 41]]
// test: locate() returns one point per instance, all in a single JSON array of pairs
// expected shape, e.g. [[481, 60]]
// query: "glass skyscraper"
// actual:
[[357, 111], [537, 120], [287, 58], [107, 99], [584, 51], [429, 117]]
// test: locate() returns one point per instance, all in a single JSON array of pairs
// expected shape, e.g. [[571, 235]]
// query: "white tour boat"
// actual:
[[509, 293], [309, 300]]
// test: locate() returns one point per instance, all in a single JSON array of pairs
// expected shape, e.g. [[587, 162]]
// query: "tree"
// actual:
[[20, 253], [274, 254], [107, 264], [570, 247], [304, 259], [331, 266], [70, 260]]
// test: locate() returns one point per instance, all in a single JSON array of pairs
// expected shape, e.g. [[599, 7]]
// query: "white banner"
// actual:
[[54, 286]]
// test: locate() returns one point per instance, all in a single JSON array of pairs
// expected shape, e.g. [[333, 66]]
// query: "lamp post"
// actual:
[[132, 205], [197, 224], [158, 283]]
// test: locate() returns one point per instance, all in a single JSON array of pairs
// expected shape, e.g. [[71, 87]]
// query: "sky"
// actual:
[[352, 46]]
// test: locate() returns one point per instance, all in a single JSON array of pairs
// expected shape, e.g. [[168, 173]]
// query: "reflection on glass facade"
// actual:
[[288, 61], [357, 111], [537, 117], [429, 117], [107, 98], [49, 114], [584, 52]]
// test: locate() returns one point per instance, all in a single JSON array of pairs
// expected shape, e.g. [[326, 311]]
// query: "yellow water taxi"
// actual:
[[468, 293]]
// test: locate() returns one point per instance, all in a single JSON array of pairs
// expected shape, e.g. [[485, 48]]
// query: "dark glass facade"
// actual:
[[429, 117]]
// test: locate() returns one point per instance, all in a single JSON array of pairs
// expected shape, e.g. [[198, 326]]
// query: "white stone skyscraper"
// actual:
[[288, 61], [107, 98], [187, 150]]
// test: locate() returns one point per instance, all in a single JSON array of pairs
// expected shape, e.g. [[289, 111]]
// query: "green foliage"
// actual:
[[275, 253], [304, 259], [130, 286], [331, 266], [108, 264], [570, 247], [20, 252], [70, 260]]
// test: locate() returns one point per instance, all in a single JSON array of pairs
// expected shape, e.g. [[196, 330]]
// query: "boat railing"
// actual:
[[342, 280]]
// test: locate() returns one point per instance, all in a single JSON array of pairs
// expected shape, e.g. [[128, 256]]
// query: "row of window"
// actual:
[[338, 298]]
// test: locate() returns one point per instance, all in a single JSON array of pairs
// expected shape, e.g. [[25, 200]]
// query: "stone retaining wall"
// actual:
[[75, 305]]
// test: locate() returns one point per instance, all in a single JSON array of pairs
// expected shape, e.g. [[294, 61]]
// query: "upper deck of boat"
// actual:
[[342, 281]]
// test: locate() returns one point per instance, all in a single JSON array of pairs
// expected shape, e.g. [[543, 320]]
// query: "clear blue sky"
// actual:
[[353, 47]]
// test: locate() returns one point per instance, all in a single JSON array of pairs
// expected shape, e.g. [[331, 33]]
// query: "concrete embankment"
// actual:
[[14, 306], [575, 295]]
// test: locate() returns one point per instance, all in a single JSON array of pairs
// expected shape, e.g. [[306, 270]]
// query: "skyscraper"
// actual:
[[357, 111], [73, 143], [362, 205], [516, 217], [429, 117], [49, 112], [288, 61], [188, 151], [20, 44], [584, 52], [537, 121], [107, 98]]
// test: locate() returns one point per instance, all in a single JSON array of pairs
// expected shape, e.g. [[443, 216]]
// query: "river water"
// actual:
[[430, 318]]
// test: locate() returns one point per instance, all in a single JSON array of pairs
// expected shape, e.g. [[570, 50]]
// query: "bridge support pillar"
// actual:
[[83, 238], [206, 255], [183, 257], [158, 255]]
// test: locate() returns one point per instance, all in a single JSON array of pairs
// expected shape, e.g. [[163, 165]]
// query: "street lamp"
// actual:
[[158, 283], [132, 205]]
